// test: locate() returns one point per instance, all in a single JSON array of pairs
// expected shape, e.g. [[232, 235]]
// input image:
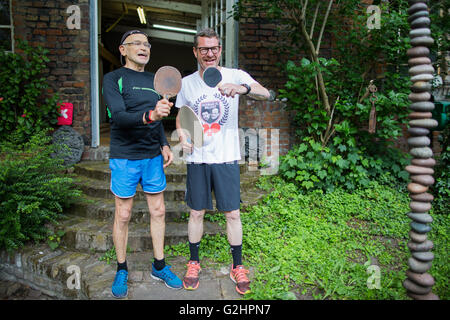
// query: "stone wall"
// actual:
[[43, 23]]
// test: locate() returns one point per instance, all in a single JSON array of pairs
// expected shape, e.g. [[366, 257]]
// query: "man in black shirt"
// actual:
[[138, 150]]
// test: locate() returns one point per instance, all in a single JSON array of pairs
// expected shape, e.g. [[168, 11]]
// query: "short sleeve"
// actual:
[[181, 100], [241, 76]]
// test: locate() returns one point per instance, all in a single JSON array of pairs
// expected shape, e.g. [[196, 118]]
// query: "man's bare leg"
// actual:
[[195, 225], [157, 222], [234, 227], [160, 270], [122, 217]]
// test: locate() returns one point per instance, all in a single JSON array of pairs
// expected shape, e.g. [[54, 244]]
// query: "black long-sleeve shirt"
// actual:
[[128, 94]]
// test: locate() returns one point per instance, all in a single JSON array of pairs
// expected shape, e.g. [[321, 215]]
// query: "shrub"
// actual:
[[311, 166], [24, 104], [33, 189], [441, 189]]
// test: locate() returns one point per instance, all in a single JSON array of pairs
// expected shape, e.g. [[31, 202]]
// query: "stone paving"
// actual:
[[11, 290], [97, 277]]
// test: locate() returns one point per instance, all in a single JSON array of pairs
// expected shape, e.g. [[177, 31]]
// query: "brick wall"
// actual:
[[268, 115], [44, 23], [262, 46]]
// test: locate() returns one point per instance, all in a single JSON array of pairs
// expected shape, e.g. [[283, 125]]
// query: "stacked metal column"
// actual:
[[419, 283]]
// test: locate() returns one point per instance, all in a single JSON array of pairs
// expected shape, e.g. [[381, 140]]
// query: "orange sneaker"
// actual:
[[191, 279], [239, 276]]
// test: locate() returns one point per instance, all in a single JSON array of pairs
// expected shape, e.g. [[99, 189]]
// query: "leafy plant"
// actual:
[[54, 239], [34, 189], [441, 188], [342, 165], [25, 106], [110, 255]]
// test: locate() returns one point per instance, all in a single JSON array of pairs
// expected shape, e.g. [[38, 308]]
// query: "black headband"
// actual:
[[129, 33]]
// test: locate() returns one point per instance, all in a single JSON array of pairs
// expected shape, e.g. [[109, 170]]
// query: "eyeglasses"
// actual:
[[139, 43], [205, 50]]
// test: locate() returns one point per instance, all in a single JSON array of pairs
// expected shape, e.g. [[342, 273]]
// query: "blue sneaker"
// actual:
[[170, 279], [119, 288]]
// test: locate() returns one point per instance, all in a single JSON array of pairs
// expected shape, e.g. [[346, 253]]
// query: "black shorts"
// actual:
[[223, 178]]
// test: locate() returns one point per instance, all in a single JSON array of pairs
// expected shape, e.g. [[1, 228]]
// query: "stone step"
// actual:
[[99, 170], [54, 273], [175, 191], [91, 235], [101, 189], [103, 209]]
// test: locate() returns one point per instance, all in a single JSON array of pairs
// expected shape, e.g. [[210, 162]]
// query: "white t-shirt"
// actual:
[[218, 113]]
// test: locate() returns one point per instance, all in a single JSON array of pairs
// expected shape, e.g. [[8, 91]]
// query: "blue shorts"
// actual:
[[127, 174]]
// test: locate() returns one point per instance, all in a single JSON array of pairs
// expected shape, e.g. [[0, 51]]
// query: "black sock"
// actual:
[[122, 266], [194, 248], [236, 252], [159, 264]]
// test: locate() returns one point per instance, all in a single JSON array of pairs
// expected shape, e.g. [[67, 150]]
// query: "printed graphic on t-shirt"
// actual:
[[214, 113], [210, 111]]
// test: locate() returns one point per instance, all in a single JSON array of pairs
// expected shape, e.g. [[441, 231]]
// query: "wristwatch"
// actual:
[[247, 87]]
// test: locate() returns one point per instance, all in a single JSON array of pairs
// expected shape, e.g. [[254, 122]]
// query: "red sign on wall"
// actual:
[[66, 111]]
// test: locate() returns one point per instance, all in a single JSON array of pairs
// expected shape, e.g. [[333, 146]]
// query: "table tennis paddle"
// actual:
[[191, 125], [167, 81], [212, 77]]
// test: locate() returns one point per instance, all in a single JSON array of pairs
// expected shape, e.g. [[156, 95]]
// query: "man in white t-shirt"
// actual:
[[215, 166]]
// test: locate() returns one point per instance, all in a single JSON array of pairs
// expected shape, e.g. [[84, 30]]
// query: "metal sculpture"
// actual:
[[419, 283]]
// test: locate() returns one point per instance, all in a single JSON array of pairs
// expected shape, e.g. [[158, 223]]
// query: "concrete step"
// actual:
[[91, 235], [99, 170], [55, 273], [101, 189], [175, 191], [103, 209]]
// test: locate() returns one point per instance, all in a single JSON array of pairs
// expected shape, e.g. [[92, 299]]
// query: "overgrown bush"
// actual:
[[441, 188], [25, 105], [346, 153], [33, 189], [312, 166]]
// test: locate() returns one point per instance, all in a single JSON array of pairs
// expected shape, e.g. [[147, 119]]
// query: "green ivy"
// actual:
[[441, 188], [342, 165], [25, 106]]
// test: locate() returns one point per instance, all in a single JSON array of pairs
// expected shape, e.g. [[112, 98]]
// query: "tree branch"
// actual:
[[314, 20], [312, 49], [304, 6], [323, 26]]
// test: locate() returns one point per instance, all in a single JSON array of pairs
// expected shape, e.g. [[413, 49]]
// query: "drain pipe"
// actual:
[[93, 22]]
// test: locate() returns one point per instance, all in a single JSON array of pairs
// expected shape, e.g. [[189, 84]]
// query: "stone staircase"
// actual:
[[87, 227]]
